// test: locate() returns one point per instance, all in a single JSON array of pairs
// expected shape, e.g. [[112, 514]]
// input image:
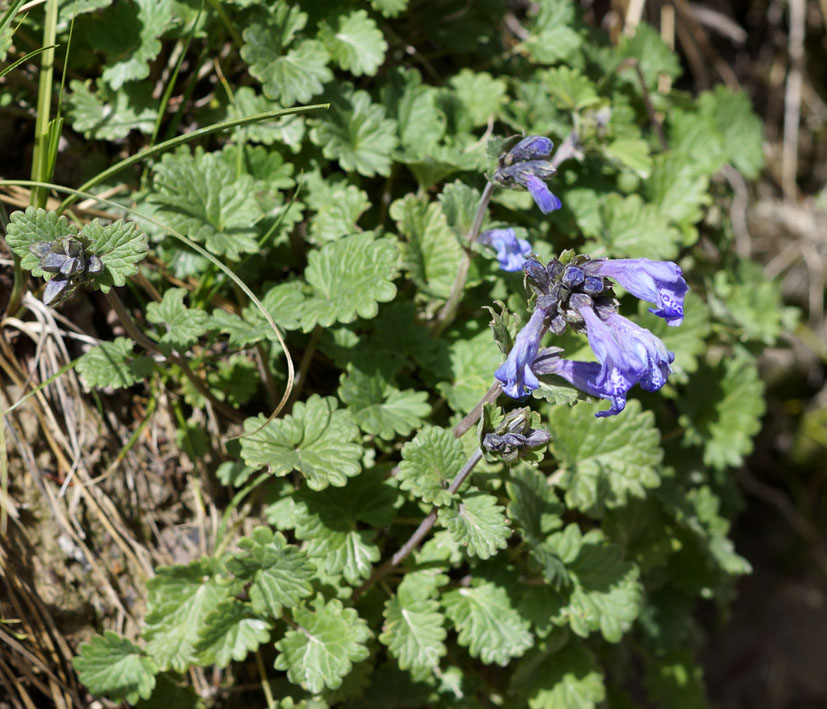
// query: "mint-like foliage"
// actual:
[[414, 633], [329, 639], [349, 277], [429, 463], [318, 439], [113, 364], [114, 666]]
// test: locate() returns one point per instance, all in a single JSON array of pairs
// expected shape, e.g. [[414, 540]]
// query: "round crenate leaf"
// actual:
[[318, 439], [31, 226], [113, 665], [429, 462], [329, 639]]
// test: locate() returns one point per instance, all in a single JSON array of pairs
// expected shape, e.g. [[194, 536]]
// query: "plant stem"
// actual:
[[44, 106], [135, 333], [265, 683], [421, 531], [449, 310], [474, 415]]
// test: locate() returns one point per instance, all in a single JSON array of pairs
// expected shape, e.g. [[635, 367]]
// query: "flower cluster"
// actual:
[[67, 259], [526, 166], [577, 295]]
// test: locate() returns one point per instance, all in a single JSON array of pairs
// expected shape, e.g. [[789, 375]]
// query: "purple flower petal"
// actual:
[[584, 375], [511, 251], [543, 197], [659, 282], [515, 373]]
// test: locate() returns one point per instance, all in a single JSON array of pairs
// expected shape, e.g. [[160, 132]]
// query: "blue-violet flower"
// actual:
[[515, 373], [659, 282], [511, 251]]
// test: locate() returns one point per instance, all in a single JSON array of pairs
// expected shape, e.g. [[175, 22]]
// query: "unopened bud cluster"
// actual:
[[67, 259]]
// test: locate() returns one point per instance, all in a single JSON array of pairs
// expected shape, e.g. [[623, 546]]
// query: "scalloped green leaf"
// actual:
[[567, 679], [569, 89], [354, 42], [289, 76], [201, 196], [480, 94], [722, 411], [379, 408], [180, 598], [112, 364], [332, 522], [349, 278], [329, 639], [356, 132], [318, 439], [429, 463], [279, 573], [389, 8], [121, 246], [488, 623], [231, 632], [633, 228], [128, 33], [337, 215], [414, 633], [431, 252], [112, 665], [605, 460], [110, 115], [35, 224], [477, 523], [183, 325]]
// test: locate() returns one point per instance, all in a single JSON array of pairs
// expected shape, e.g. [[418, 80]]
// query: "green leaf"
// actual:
[[349, 277], [379, 408], [567, 679], [634, 228], [356, 133], [121, 246], [283, 302], [429, 463], [292, 77], [552, 39], [722, 411], [750, 301], [569, 89], [333, 524], [488, 622], [606, 593], [354, 43], [414, 634], [26, 228], [632, 153], [179, 600], [183, 325], [338, 214], [677, 189], [653, 54], [605, 460], [389, 8], [420, 121], [280, 573], [477, 523], [110, 115], [480, 94], [473, 361], [231, 632], [288, 129], [740, 129], [676, 680], [112, 364], [317, 439], [201, 196], [431, 253], [321, 652], [112, 665], [128, 33], [459, 204]]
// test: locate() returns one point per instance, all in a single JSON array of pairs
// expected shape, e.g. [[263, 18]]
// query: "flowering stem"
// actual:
[[474, 415], [449, 310], [421, 531]]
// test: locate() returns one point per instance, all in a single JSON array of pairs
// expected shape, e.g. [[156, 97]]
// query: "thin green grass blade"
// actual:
[[31, 55]]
